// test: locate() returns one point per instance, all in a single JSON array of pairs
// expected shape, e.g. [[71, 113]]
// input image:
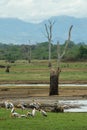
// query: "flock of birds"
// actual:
[[34, 105]]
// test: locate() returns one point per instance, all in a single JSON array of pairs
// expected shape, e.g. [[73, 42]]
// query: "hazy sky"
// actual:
[[38, 10]]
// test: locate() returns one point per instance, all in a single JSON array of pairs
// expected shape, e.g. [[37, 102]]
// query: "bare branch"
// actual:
[[52, 23], [58, 54], [67, 42], [58, 50], [48, 35], [49, 28], [70, 32]]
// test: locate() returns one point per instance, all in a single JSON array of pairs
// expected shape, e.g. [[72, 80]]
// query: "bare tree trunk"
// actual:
[[54, 81], [49, 63], [29, 53], [49, 37], [29, 59]]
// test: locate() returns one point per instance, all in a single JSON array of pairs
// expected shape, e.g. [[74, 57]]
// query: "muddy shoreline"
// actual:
[[42, 82], [25, 94]]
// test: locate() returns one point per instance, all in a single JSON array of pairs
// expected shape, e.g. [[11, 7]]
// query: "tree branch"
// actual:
[[48, 35], [67, 42]]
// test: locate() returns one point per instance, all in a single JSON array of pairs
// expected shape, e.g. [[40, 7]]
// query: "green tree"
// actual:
[[82, 52]]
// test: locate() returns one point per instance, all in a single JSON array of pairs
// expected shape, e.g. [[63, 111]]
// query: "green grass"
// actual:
[[71, 75], [54, 121], [38, 70]]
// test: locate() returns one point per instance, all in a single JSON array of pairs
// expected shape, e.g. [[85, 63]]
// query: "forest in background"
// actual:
[[12, 52]]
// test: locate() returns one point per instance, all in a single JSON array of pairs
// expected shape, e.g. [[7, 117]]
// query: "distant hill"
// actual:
[[17, 31]]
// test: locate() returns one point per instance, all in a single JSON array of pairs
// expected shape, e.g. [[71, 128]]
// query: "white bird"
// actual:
[[21, 106], [43, 113], [29, 114], [25, 116], [8, 104], [14, 114], [35, 104], [13, 110], [33, 112]]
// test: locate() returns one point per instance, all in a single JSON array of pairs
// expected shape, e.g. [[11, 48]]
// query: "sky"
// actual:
[[39, 10]]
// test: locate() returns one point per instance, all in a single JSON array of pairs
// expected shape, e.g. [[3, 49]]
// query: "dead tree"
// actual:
[[48, 29], [29, 53], [26, 51], [7, 69], [54, 74]]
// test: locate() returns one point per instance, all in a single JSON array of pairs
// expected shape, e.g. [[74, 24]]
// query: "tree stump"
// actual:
[[7, 69], [49, 64], [54, 82]]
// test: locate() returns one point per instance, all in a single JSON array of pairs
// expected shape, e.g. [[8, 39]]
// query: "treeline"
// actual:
[[11, 52]]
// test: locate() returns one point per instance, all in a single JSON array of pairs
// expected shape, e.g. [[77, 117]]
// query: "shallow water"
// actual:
[[73, 85], [74, 105]]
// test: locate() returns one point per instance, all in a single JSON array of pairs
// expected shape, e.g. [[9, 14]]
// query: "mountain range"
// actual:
[[16, 31]]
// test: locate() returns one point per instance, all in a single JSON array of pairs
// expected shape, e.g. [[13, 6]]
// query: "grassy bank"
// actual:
[[38, 71], [54, 121]]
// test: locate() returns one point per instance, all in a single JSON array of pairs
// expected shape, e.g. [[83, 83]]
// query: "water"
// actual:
[[73, 85], [74, 105]]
